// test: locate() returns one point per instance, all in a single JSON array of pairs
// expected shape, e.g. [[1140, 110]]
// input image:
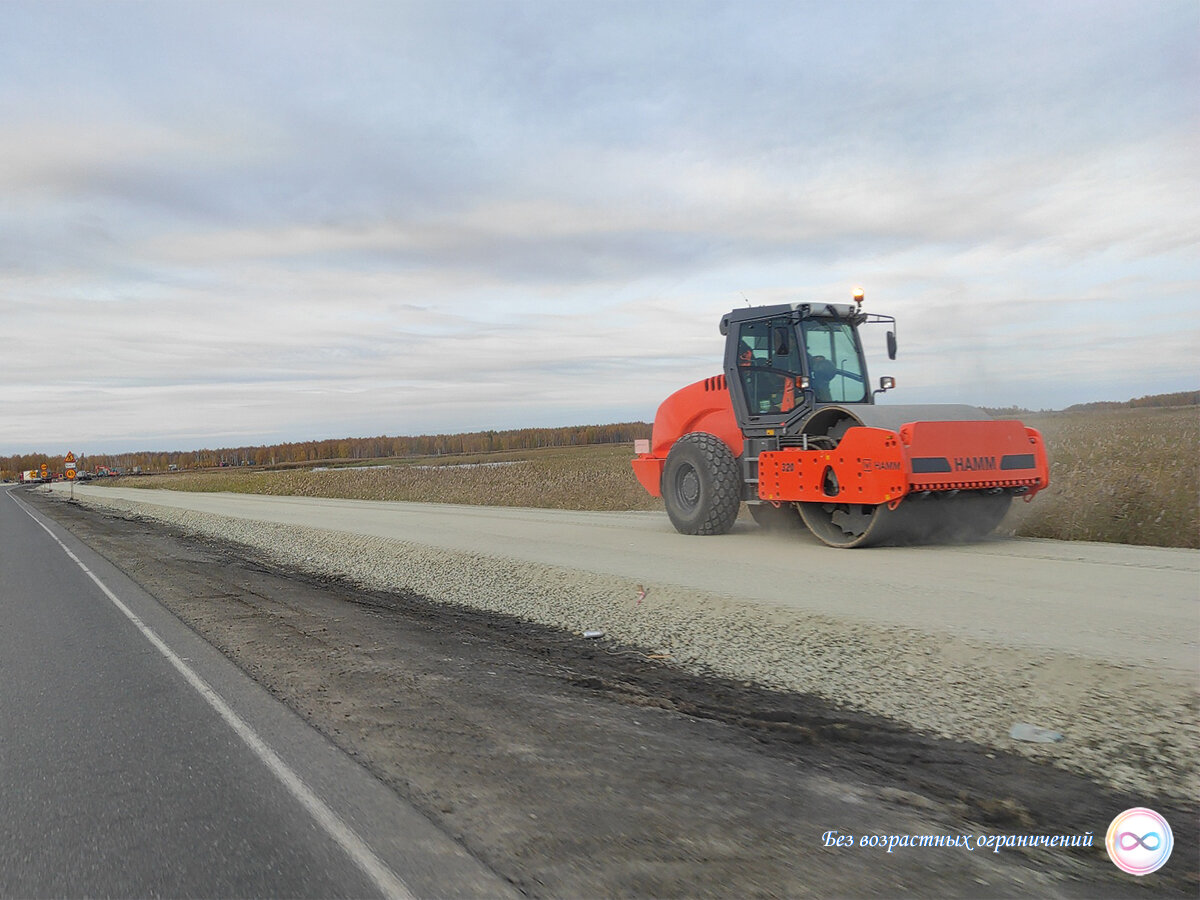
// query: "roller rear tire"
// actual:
[[701, 485]]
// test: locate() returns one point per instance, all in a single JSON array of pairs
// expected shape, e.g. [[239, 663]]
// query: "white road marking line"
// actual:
[[355, 847]]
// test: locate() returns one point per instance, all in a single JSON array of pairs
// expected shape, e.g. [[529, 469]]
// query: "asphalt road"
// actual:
[[1058, 596], [136, 761]]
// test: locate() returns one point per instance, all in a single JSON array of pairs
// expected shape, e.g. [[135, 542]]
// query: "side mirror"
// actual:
[[891, 344]]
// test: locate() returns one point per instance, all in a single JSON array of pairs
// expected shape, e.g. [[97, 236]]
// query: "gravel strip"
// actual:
[[1134, 728]]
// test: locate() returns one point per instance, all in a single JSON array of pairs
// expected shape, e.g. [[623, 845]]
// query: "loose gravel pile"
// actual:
[[1131, 727]]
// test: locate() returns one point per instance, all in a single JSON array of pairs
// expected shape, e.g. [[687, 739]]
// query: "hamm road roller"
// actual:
[[792, 429]]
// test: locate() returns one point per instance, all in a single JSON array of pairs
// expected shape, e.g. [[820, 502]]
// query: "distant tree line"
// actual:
[[1179, 398], [342, 449]]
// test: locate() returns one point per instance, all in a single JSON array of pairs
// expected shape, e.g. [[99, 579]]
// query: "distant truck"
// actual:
[[31, 476]]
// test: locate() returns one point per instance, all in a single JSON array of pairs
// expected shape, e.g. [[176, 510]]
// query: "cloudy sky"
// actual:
[[228, 223]]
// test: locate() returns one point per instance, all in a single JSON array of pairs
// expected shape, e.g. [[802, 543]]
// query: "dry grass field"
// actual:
[[1126, 476], [589, 477]]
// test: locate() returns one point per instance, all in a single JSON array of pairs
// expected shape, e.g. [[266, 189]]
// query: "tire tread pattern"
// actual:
[[725, 481]]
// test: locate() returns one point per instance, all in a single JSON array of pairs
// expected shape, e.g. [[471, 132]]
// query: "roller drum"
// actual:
[[924, 518]]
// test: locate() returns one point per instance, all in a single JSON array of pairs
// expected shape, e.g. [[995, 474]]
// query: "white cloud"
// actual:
[[310, 224]]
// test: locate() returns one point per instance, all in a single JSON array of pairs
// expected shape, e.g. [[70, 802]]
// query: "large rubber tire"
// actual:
[[701, 485]]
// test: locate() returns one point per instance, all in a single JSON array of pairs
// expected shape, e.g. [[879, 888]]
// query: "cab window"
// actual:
[[834, 366], [769, 365]]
